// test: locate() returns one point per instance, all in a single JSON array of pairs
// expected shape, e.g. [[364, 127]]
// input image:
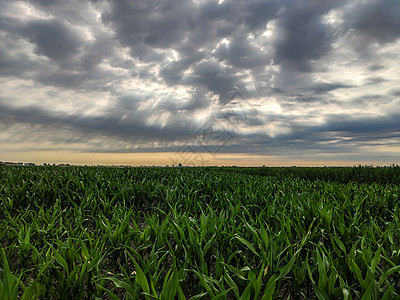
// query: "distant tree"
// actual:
[[180, 165]]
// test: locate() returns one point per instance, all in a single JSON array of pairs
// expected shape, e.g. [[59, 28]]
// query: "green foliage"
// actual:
[[199, 233], [360, 174]]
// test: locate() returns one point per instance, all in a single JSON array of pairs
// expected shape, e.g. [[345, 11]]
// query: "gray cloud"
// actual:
[[14, 62], [377, 21], [53, 39], [148, 74], [322, 88], [111, 125], [303, 36], [364, 125]]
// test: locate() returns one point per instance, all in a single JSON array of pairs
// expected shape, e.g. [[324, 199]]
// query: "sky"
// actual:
[[201, 82]]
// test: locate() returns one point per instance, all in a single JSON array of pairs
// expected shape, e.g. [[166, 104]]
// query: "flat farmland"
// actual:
[[199, 233]]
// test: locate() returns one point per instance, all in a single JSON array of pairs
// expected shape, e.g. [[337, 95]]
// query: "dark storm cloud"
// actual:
[[328, 87], [374, 80], [96, 51], [339, 134], [173, 72], [72, 80], [241, 54], [198, 100], [395, 92], [46, 3], [145, 25], [214, 77], [341, 131], [258, 13], [302, 35], [53, 39], [112, 124], [365, 125], [375, 67], [377, 21], [14, 62]]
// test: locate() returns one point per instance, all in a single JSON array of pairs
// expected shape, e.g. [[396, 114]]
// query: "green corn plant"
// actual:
[[9, 283], [218, 233]]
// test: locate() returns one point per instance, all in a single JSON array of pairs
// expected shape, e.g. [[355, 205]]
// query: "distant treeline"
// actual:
[[360, 174]]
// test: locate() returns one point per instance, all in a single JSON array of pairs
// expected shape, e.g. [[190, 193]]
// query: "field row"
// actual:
[[360, 174], [191, 233]]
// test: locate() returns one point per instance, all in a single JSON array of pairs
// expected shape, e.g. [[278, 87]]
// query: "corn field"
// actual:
[[197, 233]]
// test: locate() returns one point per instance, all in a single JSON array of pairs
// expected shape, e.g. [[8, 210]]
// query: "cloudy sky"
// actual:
[[240, 82]]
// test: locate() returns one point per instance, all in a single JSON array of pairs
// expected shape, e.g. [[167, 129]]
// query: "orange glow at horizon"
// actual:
[[166, 158]]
